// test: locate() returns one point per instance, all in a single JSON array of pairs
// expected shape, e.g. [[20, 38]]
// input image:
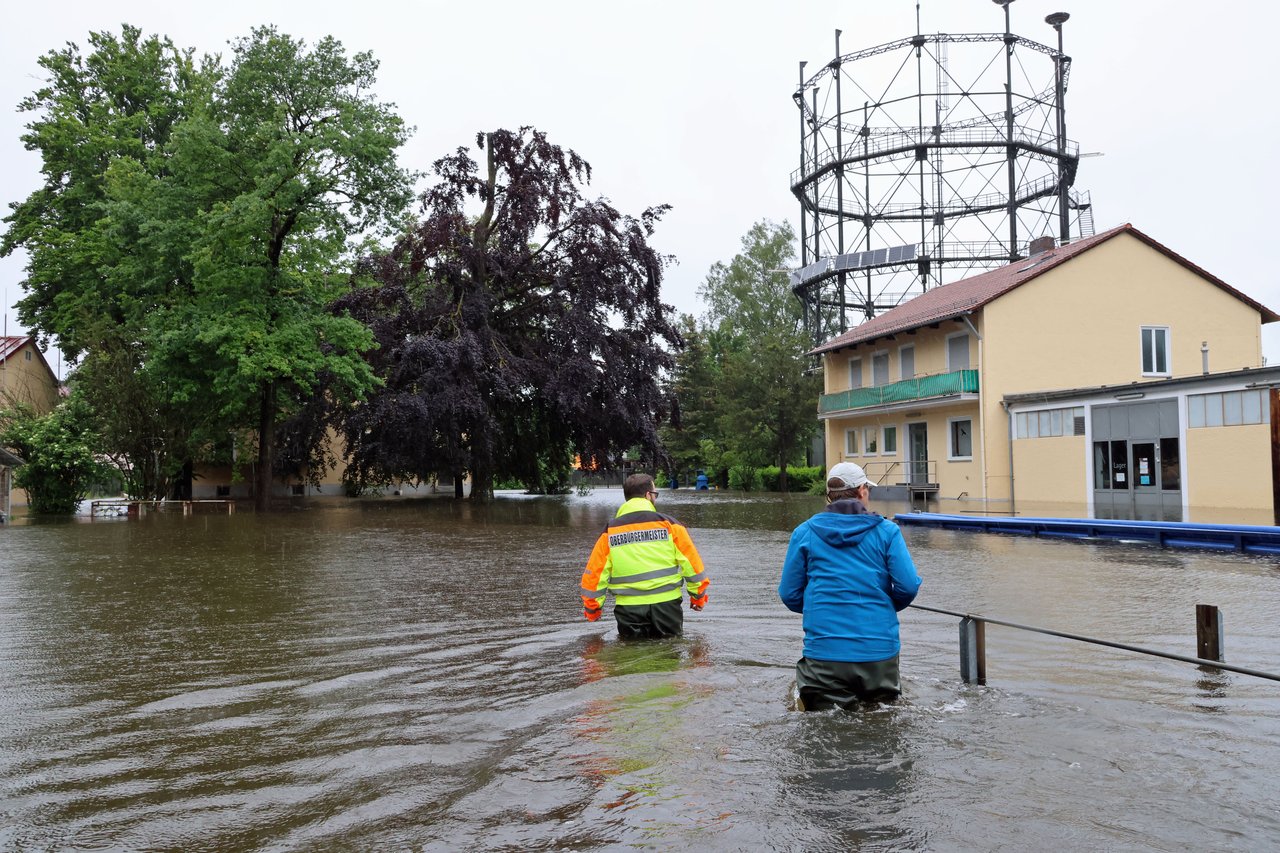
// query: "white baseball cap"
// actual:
[[846, 475]]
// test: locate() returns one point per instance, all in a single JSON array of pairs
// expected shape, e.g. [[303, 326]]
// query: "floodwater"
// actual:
[[415, 674]]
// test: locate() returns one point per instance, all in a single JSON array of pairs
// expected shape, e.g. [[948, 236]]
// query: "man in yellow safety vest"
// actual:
[[643, 557]]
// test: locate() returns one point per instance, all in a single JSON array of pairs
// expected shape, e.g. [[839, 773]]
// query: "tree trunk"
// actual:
[[457, 485], [782, 476], [481, 480], [266, 437]]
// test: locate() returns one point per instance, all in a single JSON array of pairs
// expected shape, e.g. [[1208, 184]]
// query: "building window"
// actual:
[[1110, 465], [907, 362], [222, 491], [960, 439], [27, 355], [1229, 408], [855, 373], [1155, 350], [851, 442], [958, 352], [890, 445], [870, 440], [880, 369], [1049, 423]]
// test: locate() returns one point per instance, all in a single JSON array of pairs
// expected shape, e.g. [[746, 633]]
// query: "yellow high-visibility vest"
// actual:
[[642, 557]]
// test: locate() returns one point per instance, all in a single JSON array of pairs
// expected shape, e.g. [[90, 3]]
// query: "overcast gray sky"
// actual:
[[688, 102]]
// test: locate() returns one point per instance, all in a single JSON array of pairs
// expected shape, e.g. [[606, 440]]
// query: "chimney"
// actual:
[[1040, 244]]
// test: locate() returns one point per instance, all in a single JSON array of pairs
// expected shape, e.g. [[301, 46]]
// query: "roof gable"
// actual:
[[949, 301], [11, 345]]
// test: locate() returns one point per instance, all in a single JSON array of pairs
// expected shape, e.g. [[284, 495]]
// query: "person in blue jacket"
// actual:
[[848, 571]]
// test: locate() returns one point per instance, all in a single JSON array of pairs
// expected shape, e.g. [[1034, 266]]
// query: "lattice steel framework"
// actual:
[[926, 160]]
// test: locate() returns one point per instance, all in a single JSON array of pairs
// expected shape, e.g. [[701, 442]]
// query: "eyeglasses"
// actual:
[[653, 492]]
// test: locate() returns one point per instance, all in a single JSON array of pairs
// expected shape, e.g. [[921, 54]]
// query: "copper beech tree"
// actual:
[[519, 325]]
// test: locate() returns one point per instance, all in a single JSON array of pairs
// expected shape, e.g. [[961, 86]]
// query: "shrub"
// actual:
[[745, 478], [58, 451], [802, 478], [799, 478]]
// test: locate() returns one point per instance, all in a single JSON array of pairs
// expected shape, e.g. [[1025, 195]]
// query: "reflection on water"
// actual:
[[416, 674]]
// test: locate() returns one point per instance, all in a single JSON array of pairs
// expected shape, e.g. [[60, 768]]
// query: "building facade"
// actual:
[[25, 375], [25, 378], [929, 394]]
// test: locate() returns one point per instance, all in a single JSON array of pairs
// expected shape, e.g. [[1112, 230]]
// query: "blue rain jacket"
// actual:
[[849, 573]]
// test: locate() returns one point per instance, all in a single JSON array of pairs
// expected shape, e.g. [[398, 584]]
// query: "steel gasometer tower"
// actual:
[[925, 160]]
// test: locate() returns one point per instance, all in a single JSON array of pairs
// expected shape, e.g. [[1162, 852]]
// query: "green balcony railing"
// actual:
[[906, 391]]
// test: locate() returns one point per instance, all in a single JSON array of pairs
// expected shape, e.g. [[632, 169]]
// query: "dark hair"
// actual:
[[637, 486], [834, 495]]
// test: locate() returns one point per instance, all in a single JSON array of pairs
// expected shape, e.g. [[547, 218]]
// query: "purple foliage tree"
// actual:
[[515, 335]]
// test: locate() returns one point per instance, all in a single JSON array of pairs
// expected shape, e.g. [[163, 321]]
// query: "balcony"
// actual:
[[939, 388]]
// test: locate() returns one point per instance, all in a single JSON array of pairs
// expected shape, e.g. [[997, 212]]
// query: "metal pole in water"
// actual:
[[973, 651], [1209, 633]]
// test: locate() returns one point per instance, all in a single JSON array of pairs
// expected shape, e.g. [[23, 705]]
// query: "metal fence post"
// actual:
[[1209, 633], [973, 650]]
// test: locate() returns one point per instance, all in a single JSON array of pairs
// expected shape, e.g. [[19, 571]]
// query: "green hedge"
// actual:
[[799, 478]]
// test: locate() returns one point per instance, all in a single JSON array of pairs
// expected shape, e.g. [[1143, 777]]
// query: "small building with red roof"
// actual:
[[1109, 374], [25, 375]]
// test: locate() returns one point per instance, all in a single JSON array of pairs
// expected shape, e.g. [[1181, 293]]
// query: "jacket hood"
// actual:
[[838, 529]]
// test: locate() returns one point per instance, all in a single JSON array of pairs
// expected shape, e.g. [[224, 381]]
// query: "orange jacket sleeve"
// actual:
[[595, 579]]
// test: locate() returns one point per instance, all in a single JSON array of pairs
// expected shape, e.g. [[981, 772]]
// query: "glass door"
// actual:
[[1146, 476], [918, 454]]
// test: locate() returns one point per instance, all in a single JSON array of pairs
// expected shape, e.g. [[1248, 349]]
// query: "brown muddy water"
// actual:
[[416, 675]]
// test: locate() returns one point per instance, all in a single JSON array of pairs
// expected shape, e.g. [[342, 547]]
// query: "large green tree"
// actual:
[[520, 324], [97, 269], [211, 248], [99, 122], [694, 440], [765, 411], [296, 160]]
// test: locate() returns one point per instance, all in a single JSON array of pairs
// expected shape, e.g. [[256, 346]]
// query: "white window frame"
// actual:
[[968, 347], [1168, 351], [884, 451], [855, 433], [901, 350], [872, 432], [951, 450], [855, 372], [888, 365]]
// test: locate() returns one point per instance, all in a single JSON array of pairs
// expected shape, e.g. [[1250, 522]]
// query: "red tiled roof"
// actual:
[[11, 344], [961, 297]]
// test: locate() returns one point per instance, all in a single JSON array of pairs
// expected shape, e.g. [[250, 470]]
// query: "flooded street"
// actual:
[[416, 674]]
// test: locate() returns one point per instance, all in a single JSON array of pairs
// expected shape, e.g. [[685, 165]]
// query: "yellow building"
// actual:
[[25, 377], [1077, 377]]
